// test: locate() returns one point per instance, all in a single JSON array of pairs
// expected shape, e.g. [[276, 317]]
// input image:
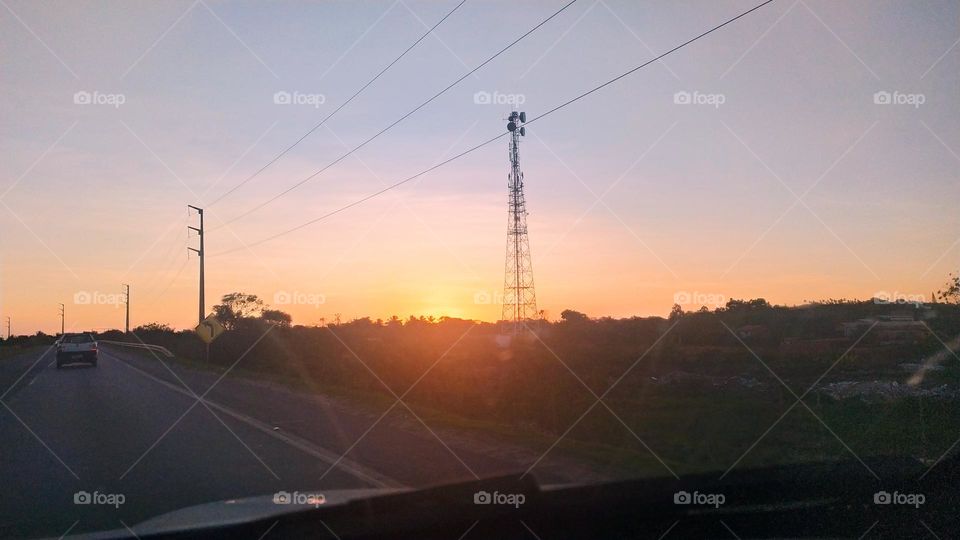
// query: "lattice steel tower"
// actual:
[[519, 298]]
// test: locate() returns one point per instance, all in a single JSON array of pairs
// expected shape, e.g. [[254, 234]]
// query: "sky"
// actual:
[[806, 151]]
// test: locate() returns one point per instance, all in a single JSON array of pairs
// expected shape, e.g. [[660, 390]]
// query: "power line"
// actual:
[[342, 105], [168, 259], [648, 62], [491, 140], [401, 119], [364, 199], [169, 283], [170, 264]]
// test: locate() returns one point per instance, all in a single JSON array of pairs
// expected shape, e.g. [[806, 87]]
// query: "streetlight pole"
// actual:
[[62, 313]]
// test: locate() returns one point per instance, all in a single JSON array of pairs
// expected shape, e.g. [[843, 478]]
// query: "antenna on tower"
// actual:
[[519, 297]]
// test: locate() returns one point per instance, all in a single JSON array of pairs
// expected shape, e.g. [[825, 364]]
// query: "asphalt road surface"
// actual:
[[135, 428]]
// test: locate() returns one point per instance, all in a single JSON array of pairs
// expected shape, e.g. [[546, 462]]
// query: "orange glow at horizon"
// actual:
[[635, 200]]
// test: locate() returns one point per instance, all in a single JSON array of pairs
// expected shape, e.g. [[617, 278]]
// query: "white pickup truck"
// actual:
[[76, 348]]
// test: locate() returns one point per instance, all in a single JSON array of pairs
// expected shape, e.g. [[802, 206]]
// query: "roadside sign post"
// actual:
[[208, 330]]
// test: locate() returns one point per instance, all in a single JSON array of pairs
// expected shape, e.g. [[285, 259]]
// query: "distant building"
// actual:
[[887, 330], [752, 332], [806, 348]]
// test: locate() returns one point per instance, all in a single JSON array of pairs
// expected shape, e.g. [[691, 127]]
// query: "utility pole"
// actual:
[[62, 313], [200, 253], [8, 327], [126, 296]]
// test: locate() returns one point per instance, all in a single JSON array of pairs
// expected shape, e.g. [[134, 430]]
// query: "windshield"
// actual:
[[328, 246], [77, 339]]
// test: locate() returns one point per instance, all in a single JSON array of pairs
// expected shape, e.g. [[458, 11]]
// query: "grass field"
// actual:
[[691, 430]]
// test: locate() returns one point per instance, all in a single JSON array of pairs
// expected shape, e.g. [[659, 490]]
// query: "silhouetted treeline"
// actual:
[[36, 340], [543, 380]]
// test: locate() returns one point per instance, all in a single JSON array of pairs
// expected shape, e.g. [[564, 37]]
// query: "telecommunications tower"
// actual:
[[519, 298]]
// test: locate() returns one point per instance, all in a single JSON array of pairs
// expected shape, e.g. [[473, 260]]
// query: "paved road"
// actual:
[[132, 426]]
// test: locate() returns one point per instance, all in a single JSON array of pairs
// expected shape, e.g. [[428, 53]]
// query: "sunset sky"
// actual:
[[699, 200]]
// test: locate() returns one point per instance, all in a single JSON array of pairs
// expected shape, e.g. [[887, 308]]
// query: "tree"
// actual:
[[152, 327], [676, 312], [572, 316], [734, 305], [360, 322], [276, 317], [236, 306], [951, 292]]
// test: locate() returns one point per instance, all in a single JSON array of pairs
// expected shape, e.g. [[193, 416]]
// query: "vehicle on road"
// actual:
[[73, 348]]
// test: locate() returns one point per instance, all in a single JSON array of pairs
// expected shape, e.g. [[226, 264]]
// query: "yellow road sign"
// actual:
[[210, 329]]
